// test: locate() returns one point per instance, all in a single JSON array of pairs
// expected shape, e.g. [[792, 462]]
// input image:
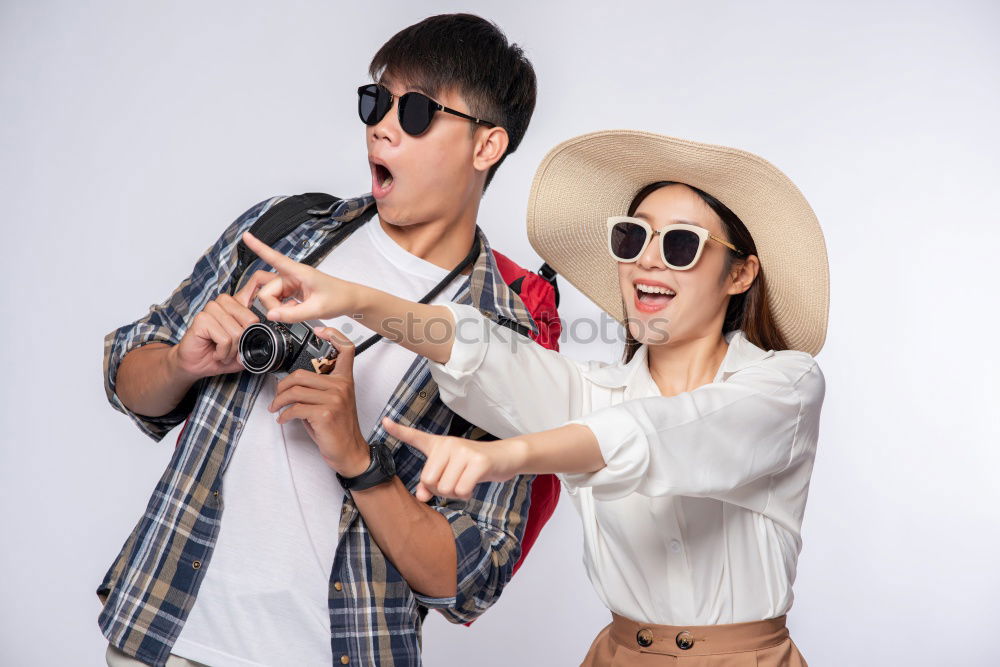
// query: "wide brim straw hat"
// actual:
[[586, 179]]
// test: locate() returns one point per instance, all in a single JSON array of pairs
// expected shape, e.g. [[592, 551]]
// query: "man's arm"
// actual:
[[150, 381], [416, 538], [165, 324], [456, 555]]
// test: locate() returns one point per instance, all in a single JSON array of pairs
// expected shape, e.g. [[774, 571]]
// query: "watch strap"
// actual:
[[382, 469]]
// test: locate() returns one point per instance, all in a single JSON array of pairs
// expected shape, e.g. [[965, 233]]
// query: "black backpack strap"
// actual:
[[514, 326], [547, 272], [279, 221]]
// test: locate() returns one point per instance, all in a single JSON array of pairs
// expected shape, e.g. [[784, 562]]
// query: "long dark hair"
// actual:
[[750, 310]]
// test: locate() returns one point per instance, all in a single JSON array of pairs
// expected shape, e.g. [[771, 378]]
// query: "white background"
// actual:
[[133, 133]]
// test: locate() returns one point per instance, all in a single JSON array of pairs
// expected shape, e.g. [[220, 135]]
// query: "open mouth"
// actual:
[[651, 298], [382, 180]]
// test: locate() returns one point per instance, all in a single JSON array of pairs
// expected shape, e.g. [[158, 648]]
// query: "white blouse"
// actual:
[[696, 518]]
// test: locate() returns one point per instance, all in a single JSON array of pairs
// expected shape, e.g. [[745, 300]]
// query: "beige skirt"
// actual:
[[757, 644]]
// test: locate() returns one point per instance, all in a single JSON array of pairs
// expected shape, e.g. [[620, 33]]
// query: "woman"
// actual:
[[690, 460]]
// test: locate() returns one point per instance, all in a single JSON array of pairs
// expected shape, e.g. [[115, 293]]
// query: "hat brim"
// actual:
[[586, 179]]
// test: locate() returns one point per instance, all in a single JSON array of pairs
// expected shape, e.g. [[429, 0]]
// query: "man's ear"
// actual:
[[491, 144]]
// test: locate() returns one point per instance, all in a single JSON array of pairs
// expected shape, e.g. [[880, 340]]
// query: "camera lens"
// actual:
[[261, 349]]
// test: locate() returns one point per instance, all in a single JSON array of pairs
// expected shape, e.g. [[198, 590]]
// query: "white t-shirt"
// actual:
[[264, 599]]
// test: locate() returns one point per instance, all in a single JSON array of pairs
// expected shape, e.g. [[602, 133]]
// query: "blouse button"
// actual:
[[684, 640], [675, 546], [644, 637]]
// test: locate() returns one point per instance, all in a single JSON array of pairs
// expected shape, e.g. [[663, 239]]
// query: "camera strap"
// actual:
[[430, 296]]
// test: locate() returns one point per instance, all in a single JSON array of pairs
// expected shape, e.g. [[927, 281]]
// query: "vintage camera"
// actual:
[[276, 347]]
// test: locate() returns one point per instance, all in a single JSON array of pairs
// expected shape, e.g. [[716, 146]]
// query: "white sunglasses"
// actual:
[[680, 244]]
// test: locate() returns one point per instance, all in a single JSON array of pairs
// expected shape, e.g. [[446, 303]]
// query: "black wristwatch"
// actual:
[[381, 470]]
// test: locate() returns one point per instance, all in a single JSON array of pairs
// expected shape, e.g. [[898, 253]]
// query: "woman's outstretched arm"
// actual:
[[721, 440], [425, 329], [495, 378], [455, 465]]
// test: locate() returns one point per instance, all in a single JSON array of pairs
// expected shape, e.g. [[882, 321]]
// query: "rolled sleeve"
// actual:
[[624, 448], [117, 345], [487, 530], [710, 441], [166, 322], [469, 348]]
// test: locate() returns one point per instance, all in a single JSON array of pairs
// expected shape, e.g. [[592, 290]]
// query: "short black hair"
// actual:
[[471, 56]]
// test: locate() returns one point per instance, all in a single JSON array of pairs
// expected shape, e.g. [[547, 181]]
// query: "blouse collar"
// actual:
[[740, 354]]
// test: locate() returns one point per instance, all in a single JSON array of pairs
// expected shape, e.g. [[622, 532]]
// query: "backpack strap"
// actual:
[[547, 272], [279, 221]]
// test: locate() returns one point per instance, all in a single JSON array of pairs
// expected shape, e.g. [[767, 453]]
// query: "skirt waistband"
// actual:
[[683, 640]]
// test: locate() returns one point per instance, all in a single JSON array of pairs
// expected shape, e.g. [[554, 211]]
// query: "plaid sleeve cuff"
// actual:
[[485, 561], [118, 344]]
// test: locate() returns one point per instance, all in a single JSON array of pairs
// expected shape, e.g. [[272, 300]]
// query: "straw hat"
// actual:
[[583, 181]]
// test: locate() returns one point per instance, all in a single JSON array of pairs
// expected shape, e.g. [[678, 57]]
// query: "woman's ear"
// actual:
[[490, 146], [743, 273]]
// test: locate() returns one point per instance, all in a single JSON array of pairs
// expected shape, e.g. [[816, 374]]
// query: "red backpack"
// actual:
[[540, 297], [538, 291]]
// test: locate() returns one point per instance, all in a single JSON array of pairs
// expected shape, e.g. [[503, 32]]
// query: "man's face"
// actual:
[[427, 177]]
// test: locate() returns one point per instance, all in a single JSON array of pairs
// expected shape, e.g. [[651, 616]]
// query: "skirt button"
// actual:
[[644, 637], [684, 640]]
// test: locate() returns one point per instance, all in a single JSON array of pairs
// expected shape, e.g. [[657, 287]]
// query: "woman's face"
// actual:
[[700, 294]]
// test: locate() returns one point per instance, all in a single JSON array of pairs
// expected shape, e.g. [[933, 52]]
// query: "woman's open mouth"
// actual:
[[651, 298], [382, 180]]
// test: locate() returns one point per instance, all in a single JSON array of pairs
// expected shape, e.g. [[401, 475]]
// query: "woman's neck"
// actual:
[[678, 367]]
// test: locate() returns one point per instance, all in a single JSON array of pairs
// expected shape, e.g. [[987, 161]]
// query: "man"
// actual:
[[250, 552]]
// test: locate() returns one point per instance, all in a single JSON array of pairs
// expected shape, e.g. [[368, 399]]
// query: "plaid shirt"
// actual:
[[375, 617]]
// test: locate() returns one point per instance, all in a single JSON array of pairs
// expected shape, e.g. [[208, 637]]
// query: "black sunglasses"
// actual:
[[416, 111]]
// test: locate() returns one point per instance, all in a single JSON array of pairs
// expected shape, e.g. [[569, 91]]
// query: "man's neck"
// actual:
[[444, 242]]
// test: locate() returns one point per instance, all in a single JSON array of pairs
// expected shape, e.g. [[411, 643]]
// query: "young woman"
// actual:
[[689, 461]]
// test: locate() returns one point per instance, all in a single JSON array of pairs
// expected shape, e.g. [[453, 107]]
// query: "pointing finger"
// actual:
[[270, 255], [246, 294], [415, 437]]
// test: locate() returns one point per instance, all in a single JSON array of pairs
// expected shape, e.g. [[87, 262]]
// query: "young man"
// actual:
[[250, 552]]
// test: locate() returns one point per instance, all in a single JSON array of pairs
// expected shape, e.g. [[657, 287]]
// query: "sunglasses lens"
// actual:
[[366, 104], [373, 103], [680, 247], [627, 240], [415, 113]]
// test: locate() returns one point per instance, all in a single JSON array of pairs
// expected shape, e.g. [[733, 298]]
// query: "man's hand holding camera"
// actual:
[[324, 402], [209, 345], [326, 405]]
